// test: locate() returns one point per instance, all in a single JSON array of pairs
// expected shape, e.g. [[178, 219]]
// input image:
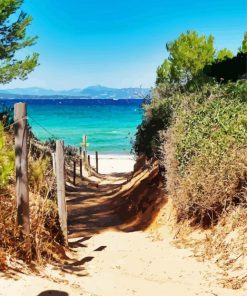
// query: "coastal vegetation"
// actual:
[[196, 126]]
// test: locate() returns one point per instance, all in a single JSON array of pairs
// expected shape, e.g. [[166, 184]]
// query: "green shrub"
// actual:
[[204, 150], [167, 102], [6, 160], [206, 159], [211, 129], [147, 135]]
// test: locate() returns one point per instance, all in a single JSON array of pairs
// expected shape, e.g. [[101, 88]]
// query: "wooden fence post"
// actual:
[[74, 172], [88, 160], [84, 155], [85, 143], [80, 168], [21, 165], [80, 150], [97, 161], [62, 211]]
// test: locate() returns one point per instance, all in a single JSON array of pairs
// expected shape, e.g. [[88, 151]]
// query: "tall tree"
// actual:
[[188, 55], [13, 25]]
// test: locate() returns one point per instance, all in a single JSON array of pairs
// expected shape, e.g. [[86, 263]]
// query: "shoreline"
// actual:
[[114, 163]]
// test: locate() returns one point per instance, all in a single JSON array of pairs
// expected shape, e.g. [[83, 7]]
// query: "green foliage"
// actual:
[[168, 100], [13, 25], [210, 153], [164, 72], [210, 130], [243, 48], [147, 135], [197, 127], [237, 91], [188, 55], [190, 58], [157, 116], [6, 160], [224, 54]]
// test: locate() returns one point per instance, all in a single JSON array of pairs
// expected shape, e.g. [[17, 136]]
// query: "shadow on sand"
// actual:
[[53, 293], [115, 204]]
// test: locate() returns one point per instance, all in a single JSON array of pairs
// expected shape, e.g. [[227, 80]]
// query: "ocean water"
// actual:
[[109, 124]]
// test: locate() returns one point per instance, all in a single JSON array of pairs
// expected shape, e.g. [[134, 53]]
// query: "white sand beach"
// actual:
[[114, 163]]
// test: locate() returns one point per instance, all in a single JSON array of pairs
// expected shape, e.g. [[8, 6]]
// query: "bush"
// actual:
[[211, 129], [147, 133], [6, 160], [206, 155], [157, 116], [204, 147]]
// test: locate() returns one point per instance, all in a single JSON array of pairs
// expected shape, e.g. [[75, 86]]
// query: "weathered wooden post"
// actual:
[[80, 150], [80, 168], [97, 161], [88, 160], [85, 143], [60, 176], [84, 155], [74, 172], [21, 167]]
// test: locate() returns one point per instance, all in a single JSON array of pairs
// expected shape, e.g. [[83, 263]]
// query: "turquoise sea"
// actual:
[[109, 124]]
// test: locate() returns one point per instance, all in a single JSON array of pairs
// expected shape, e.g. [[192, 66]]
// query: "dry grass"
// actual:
[[45, 240], [206, 189], [45, 236]]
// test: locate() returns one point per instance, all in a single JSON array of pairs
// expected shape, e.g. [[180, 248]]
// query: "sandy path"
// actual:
[[123, 264], [108, 261]]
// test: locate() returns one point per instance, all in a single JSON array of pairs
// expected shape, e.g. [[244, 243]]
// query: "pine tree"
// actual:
[[13, 25]]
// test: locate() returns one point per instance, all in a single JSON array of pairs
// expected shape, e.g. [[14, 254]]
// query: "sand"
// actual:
[[112, 262], [114, 163]]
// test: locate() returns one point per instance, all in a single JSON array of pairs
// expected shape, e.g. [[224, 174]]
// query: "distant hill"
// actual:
[[93, 92]]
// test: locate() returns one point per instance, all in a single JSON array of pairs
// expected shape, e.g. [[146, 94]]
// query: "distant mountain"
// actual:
[[94, 92]]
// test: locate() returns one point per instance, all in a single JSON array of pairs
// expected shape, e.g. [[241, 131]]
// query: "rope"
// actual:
[[50, 134], [27, 117], [45, 129], [12, 124]]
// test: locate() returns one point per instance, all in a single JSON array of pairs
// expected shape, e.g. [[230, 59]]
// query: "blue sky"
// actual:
[[120, 43]]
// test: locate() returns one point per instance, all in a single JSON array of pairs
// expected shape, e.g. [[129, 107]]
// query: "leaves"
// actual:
[[188, 55], [243, 48], [13, 25], [6, 160], [224, 54]]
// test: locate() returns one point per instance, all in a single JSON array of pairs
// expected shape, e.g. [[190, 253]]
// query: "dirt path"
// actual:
[[112, 254]]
